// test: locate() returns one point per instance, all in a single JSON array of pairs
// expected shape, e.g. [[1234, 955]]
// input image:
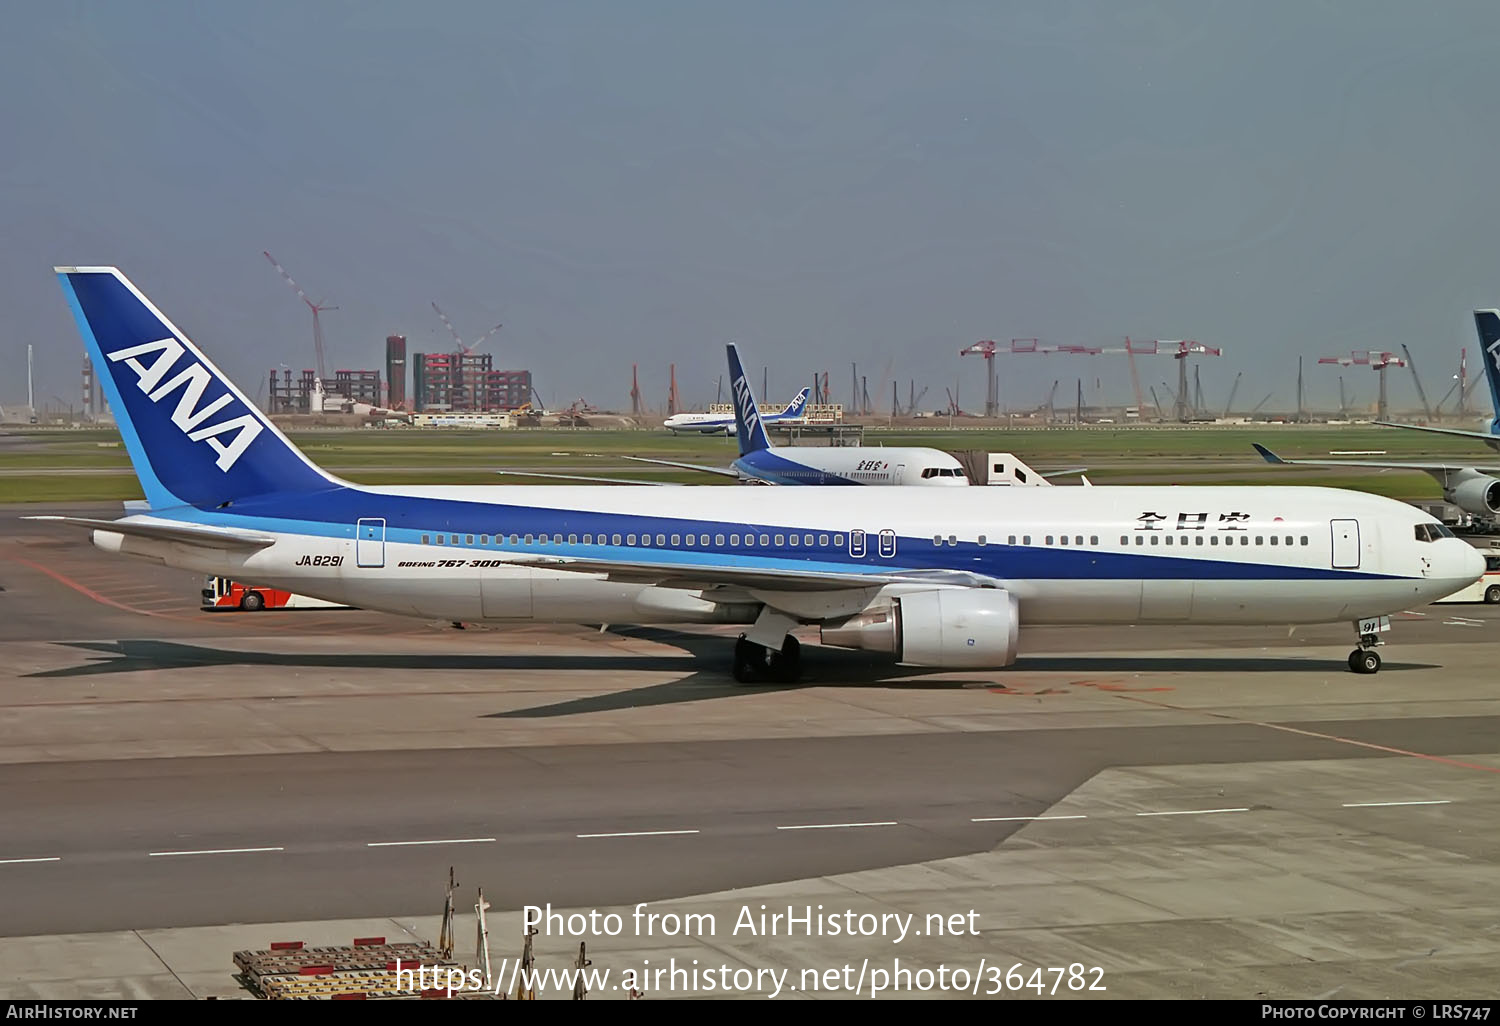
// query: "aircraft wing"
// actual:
[[1431, 468], [705, 577], [1478, 436], [581, 477], [722, 471], [192, 534]]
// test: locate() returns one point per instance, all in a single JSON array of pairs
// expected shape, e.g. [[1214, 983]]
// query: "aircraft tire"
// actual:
[[1365, 660]]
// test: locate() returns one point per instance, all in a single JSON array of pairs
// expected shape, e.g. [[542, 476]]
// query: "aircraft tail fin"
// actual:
[[1487, 323], [795, 408], [750, 432], [193, 438]]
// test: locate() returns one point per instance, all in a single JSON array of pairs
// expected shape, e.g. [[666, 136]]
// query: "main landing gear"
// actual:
[[1365, 659], [754, 664]]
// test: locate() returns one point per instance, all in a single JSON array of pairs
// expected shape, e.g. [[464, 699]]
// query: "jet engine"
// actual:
[[951, 628], [1478, 496]]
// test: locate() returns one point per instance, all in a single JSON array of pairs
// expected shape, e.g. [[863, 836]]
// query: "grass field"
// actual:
[[62, 466]]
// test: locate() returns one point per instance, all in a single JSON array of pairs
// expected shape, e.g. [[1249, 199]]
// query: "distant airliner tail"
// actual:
[[795, 408], [1487, 322], [749, 431], [193, 438]]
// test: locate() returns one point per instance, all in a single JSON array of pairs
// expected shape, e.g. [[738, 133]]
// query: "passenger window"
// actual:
[[982, 540], [1290, 539], [1244, 539], [1273, 539], [807, 540], [1049, 539], [425, 541], [1213, 539], [1124, 539], [734, 540], [937, 539], [780, 540], [1012, 540], [1078, 540], [838, 541], [1093, 539], [953, 539], [794, 540], [614, 539], [1026, 539], [630, 539], [765, 540], [572, 539], [1156, 539], [1260, 539], [484, 539], [1200, 539], [823, 541], [454, 539], [1062, 540], [676, 540], [1304, 539], [528, 539], [588, 539], [702, 539]]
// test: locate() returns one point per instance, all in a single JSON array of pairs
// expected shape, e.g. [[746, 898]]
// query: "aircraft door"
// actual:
[[369, 543], [1345, 544], [900, 477], [857, 544], [887, 544]]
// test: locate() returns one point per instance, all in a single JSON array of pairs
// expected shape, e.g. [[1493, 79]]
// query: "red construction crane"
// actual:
[[1178, 349], [1378, 361], [462, 348], [989, 347], [316, 308]]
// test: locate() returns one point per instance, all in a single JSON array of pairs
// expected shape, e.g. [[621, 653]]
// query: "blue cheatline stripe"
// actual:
[[332, 514], [765, 465]]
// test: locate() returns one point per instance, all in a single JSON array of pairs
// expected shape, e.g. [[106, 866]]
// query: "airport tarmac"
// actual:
[[1210, 812]]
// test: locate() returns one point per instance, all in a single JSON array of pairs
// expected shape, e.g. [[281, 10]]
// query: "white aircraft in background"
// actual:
[[1473, 489], [763, 463], [1487, 324], [724, 423], [934, 579]]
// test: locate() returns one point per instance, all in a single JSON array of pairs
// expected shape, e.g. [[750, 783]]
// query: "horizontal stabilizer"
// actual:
[[581, 477], [191, 534], [721, 471]]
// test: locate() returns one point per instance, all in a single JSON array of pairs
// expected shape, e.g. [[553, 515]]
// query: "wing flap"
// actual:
[[707, 577]]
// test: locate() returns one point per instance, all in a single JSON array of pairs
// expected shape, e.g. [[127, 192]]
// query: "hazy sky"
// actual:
[[823, 182]]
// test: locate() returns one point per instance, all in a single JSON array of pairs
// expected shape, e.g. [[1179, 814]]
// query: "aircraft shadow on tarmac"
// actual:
[[821, 667]]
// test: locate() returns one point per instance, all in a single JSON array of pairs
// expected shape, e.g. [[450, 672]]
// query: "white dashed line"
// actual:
[[1019, 819], [834, 826], [642, 833], [1371, 805], [214, 851], [13, 862], [1190, 812], [457, 840]]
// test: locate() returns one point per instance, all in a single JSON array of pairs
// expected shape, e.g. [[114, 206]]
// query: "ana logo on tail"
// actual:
[[746, 404], [193, 379]]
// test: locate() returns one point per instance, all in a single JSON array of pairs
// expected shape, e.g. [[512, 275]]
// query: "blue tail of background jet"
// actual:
[[193, 437], [750, 432], [1487, 323], [795, 407]]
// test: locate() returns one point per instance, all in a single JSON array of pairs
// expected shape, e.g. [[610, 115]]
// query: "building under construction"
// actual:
[[294, 395], [466, 383]]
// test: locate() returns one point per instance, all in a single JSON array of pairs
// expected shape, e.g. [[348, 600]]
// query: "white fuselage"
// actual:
[[1097, 555]]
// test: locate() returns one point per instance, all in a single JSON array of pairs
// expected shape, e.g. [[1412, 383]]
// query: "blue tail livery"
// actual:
[[194, 439], [749, 430], [1487, 323]]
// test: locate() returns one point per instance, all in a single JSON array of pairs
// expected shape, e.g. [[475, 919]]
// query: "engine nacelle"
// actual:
[[973, 629], [1479, 496]]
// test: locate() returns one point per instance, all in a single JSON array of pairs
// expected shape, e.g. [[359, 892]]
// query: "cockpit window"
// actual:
[[1432, 532]]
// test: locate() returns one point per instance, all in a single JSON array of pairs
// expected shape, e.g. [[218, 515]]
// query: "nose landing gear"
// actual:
[[1365, 659]]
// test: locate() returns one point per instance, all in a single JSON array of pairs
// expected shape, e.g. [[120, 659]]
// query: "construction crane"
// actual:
[[462, 348], [989, 348], [1232, 390], [1178, 349], [672, 402], [1421, 392], [1051, 400], [635, 394], [316, 309], [1379, 361], [1263, 402]]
